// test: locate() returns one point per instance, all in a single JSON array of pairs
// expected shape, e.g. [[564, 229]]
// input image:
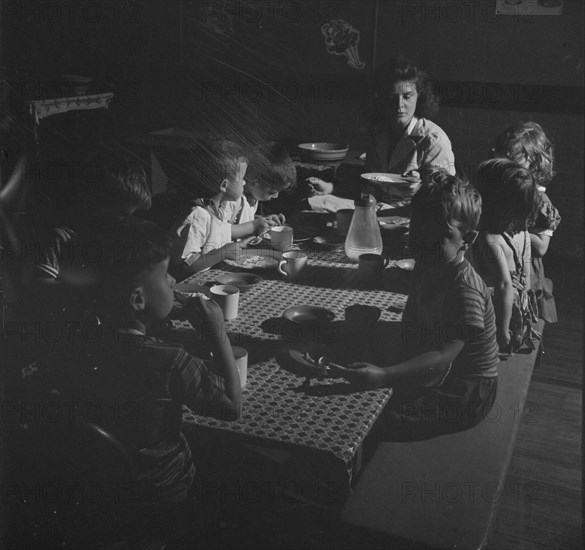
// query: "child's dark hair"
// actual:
[[402, 69], [213, 161], [509, 193], [129, 247], [449, 201], [116, 181], [526, 144], [271, 166]]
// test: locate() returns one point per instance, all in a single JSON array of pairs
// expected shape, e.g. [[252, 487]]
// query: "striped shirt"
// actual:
[[136, 386], [456, 306]]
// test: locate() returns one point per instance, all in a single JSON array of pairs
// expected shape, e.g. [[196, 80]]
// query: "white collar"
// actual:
[[411, 126]]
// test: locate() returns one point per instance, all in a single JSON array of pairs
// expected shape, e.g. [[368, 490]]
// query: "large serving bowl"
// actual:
[[322, 151]]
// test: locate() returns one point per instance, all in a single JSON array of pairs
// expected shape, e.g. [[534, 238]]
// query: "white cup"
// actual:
[[226, 297], [292, 264], [281, 237], [241, 357]]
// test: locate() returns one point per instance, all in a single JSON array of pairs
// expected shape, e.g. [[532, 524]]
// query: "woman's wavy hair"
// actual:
[[526, 144], [402, 69], [509, 195]]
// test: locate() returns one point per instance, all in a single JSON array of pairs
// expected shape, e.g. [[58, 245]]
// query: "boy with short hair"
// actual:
[[270, 171], [205, 236], [448, 381], [138, 381]]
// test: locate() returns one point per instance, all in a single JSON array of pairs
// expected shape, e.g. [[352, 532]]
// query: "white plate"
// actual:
[[256, 259], [407, 264], [191, 288], [381, 177]]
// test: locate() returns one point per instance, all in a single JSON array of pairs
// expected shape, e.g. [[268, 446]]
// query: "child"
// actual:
[[113, 185], [270, 171], [449, 378], [526, 144], [136, 382], [502, 255], [205, 236]]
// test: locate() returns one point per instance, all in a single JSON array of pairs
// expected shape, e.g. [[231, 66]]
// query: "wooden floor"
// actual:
[[541, 505]]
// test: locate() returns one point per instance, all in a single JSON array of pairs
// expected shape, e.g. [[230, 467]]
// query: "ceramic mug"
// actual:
[[281, 237], [292, 264], [371, 266], [226, 297]]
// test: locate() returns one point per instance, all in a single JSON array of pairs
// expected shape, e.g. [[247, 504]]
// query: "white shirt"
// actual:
[[206, 228]]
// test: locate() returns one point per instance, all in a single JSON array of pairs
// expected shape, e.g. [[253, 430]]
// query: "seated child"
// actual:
[[526, 144], [270, 171], [502, 254], [113, 185], [205, 235], [136, 381], [449, 377]]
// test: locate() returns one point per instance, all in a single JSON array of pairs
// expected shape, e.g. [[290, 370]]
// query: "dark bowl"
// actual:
[[243, 281], [308, 315]]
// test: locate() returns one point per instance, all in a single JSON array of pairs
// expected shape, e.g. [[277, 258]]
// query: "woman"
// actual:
[[404, 141]]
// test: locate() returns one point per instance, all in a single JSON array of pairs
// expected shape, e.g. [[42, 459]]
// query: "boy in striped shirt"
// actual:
[[447, 378]]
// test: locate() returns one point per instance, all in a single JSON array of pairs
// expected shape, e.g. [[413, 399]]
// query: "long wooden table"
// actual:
[[323, 420]]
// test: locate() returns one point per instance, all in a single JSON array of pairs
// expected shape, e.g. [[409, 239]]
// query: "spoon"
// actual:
[[326, 364]]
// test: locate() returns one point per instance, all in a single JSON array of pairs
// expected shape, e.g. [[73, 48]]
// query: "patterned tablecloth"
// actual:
[[326, 417]]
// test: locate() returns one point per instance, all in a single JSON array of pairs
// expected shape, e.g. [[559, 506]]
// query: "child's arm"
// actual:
[[201, 261], [259, 226], [499, 272], [539, 244], [424, 368], [207, 316]]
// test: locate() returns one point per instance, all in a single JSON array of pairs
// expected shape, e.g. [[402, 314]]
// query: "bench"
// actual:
[[444, 492]]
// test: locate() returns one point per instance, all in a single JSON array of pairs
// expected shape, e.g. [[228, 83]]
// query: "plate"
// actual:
[[329, 238], [324, 151], [191, 288], [303, 315], [381, 177], [299, 236], [406, 264], [244, 281], [251, 258], [309, 367]]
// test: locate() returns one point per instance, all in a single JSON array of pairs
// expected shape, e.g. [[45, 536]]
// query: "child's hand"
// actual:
[[233, 251], [277, 219], [319, 187], [364, 375], [262, 225], [205, 316], [504, 340]]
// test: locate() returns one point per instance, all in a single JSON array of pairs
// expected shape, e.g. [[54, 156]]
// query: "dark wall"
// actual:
[[467, 41], [254, 70]]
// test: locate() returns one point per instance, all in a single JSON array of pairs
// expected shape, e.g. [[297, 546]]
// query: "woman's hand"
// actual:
[[364, 375], [319, 187], [411, 183]]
